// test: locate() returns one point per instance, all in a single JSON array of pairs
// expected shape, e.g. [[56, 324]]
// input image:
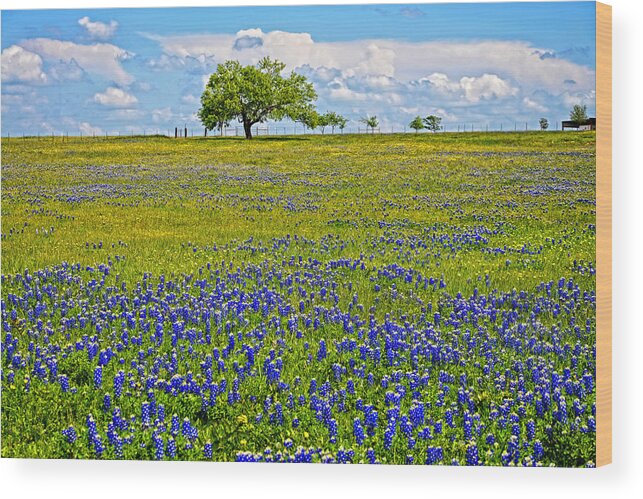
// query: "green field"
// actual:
[[439, 289]]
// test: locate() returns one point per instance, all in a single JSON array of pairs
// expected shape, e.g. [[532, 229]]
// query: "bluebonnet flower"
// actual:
[[64, 383], [174, 425], [321, 352], [389, 433], [425, 433], [538, 450], [332, 430], [358, 431], [531, 430], [70, 434], [472, 454], [145, 414], [159, 447], [98, 377], [119, 381], [171, 447], [434, 455]]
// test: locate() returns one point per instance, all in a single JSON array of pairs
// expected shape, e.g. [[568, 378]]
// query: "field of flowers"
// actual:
[[400, 299]]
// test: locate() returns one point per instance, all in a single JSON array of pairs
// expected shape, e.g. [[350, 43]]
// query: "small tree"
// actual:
[[544, 123], [578, 115], [323, 121], [370, 122], [254, 94], [432, 122], [341, 123], [416, 124], [335, 120]]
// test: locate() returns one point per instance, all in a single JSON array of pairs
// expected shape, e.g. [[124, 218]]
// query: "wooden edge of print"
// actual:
[[603, 234]]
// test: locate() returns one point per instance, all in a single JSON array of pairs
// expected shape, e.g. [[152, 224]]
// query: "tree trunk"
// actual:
[[247, 128]]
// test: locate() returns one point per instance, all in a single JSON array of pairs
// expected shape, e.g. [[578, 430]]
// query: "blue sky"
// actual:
[[129, 70]]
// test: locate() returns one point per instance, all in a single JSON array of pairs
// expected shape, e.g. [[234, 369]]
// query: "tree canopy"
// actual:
[[334, 119], [370, 122], [578, 115], [432, 122], [416, 124], [254, 94]]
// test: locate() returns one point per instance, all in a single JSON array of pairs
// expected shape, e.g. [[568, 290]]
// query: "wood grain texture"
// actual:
[[603, 234]]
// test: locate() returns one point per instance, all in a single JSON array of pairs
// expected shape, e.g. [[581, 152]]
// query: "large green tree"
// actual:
[[254, 94]]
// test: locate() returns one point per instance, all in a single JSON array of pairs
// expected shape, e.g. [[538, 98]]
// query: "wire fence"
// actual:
[[285, 130]]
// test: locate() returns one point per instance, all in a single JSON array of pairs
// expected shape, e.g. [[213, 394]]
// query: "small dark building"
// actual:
[[590, 124]]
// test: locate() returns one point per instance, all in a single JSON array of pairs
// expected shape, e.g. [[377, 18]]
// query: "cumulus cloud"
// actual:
[[66, 71], [470, 88], [403, 60], [97, 29], [487, 86], [115, 97], [103, 59], [19, 64], [440, 82]]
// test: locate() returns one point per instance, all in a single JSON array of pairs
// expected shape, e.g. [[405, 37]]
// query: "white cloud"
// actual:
[[440, 82], [377, 61], [470, 88], [487, 86], [406, 61], [87, 129], [19, 64], [97, 29], [103, 59], [115, 97]]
